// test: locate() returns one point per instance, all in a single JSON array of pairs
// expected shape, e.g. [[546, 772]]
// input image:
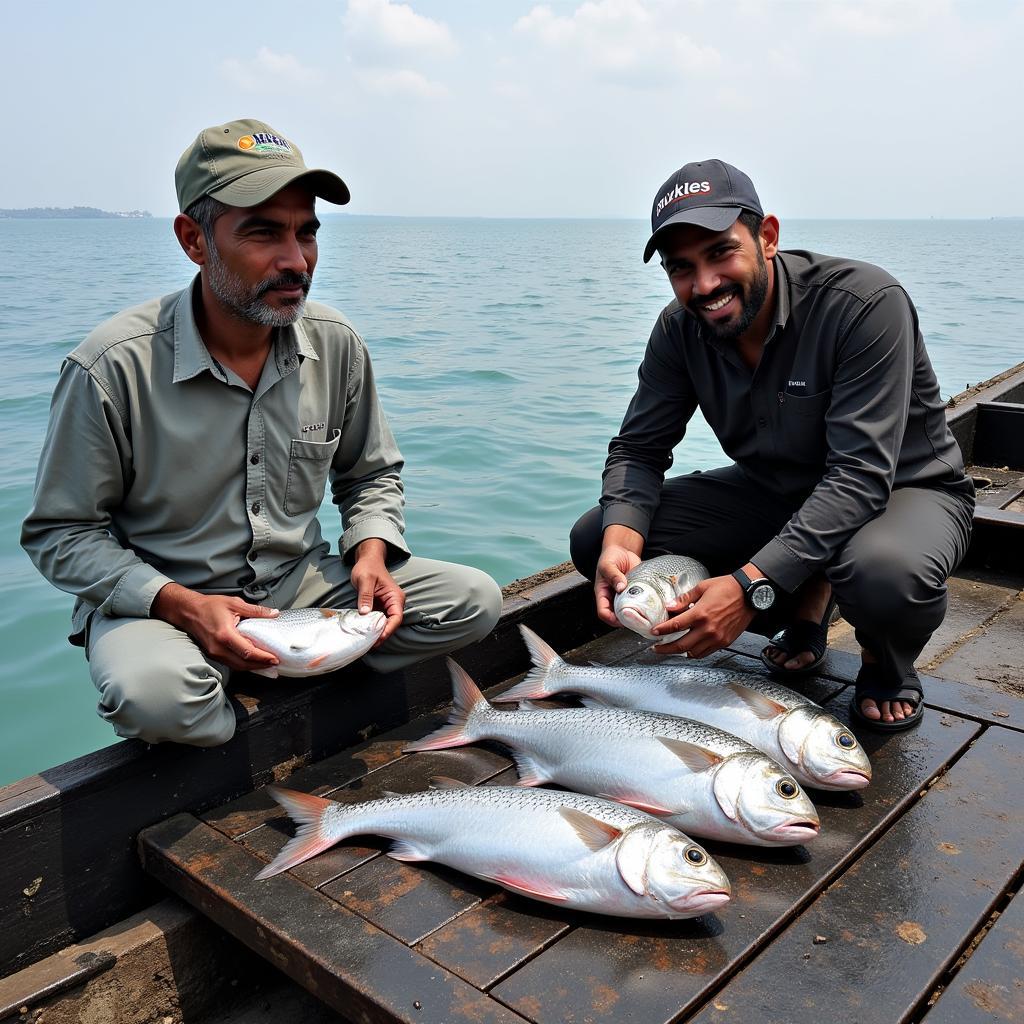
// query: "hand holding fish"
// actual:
[[620, 554], [211, 620], [373, 583], [714, 612]]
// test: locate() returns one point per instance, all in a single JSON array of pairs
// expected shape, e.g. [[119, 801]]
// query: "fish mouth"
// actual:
[[703, 901], [849, 778], [802, 830], [635, 616]]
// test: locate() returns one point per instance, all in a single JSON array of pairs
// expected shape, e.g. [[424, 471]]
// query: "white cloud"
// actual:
[[267, 71], [394, 26], [400, 82], [628, 39], [881, 18]]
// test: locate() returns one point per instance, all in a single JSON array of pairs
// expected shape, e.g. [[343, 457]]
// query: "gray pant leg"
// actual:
[[889, 579], [447, 606], [155, 684]]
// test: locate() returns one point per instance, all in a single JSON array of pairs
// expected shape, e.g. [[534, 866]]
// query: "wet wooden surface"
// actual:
[[868, 923]]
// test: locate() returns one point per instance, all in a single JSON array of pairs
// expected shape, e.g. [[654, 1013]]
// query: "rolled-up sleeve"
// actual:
[[81, 477], [655, 422], [366, 482], [864, 427]]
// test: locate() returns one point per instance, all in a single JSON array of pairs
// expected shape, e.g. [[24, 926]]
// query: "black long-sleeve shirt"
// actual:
[[842, 408]]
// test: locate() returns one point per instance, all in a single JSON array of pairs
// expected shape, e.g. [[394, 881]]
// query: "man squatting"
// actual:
[[189, 445], [846, 485]]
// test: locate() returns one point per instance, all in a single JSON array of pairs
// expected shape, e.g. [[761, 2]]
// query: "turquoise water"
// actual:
[[505, 351]]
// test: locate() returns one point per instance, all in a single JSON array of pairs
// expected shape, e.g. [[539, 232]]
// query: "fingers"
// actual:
[[364, 602], [245, 610], [603, 601]]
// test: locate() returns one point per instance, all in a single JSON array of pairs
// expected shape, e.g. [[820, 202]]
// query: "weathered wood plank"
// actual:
[[992, 656], [989, 987], [342, 959], [901, 914], [615, 971]]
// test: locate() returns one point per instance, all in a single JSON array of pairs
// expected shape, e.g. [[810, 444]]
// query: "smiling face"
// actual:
[[723, 277], [259, 260]]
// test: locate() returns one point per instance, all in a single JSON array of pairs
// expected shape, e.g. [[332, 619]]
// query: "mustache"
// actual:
[[718, 293], [288, 279]]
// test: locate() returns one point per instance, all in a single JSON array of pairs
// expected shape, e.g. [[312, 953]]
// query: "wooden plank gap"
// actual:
[[971, 634]]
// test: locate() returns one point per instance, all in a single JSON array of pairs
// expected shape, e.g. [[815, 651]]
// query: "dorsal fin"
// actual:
[[762, 706], [594, 833], [444, 782], [697, 759]]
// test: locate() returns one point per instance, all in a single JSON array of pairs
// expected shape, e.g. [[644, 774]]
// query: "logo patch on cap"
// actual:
[[264, 142], [682, 191]]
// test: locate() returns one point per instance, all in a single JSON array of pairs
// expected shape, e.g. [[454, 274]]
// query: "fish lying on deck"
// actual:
[[651, 587], [562, 848], [801, 735], [698, 778], [310, 641]]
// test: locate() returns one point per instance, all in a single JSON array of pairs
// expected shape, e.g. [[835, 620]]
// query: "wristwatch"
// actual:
[[759, 593]]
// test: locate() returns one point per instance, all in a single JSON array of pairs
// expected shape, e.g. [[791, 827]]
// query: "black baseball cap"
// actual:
[[709, 193]]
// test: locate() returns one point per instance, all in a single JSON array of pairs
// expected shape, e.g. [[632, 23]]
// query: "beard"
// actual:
[[246, 301], [751, 297]]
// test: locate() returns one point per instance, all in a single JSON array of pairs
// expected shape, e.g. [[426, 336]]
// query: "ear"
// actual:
[[770, 235], [190, 238]]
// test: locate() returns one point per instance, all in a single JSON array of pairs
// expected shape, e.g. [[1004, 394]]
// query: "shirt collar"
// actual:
[[781, 291], [191, 356]]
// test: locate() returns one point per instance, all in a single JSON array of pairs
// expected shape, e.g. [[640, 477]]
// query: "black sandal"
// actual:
[[801, 635], [871, 685]]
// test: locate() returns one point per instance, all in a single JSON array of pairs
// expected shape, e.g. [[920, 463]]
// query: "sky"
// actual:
[[496, 108]]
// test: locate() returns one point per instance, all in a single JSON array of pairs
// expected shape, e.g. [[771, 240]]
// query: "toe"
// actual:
[[869, 709]]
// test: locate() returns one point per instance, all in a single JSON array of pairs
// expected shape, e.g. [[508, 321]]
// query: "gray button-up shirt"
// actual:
[[161, 465], [843, 407]]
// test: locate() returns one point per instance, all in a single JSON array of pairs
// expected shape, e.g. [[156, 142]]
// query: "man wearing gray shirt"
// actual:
[[846, 485], [190, 443]]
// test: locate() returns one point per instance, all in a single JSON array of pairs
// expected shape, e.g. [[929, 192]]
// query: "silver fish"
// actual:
[[562, 848], [802, 736], [310, 641], [653, 585], [695, 777]]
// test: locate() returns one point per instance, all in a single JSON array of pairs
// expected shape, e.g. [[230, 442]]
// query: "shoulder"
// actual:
[[838, 276], [328, 325], [126, 332]]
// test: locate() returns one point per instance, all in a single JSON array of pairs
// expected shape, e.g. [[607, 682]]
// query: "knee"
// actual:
[[585, 542], [160, 703], [481, 605]]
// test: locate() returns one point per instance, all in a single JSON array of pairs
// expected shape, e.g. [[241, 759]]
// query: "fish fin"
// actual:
[[328, 613], [530, 887], [444, 782], [531, 705], [535, 683], [391, 792], [639, 803], [697, 759], [763, 707], [270, 672], [594, 833], [466, 698], [592, 702], [307, 811], [317, 661], [529, 771], [403, 850]]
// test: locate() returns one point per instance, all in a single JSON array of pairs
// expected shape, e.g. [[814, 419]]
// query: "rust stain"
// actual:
[[911, 932], [530, 1007], [605, 997], [286, 768], [758, 869], [200, 862], [398, 887], [988, 1000], [949, 848]]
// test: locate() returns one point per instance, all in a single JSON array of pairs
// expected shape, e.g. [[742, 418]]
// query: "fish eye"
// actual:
[[845, 740], [786, 788], [695, 855], [634, 591]]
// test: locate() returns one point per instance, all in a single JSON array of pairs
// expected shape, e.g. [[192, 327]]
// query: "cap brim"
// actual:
[[258, 186], [714, 218]]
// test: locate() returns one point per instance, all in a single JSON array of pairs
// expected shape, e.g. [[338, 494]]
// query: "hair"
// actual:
[[205, 211], [751, 221]]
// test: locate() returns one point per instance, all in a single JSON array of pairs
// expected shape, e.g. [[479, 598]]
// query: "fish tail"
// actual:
[[467, 702], [307, 811], [535, 684]]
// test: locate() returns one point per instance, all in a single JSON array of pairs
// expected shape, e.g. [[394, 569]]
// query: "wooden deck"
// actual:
[[870, 923]]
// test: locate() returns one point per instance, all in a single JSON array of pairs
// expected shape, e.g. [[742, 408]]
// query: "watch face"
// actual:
[[762, 597]]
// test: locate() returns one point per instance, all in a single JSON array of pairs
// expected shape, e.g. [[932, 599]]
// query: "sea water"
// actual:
[[505, 353]]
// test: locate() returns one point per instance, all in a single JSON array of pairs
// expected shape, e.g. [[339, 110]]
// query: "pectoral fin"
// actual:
[[764, 707], [593, 833], [403, 850], [697, 759], [639, 803]]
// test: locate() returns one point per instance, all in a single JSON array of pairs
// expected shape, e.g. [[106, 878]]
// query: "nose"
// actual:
[[705, 280], [293, 256]]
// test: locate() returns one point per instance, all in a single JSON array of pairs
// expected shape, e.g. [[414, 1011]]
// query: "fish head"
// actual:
[[823, 750], [641, 607], [660, 863], [763, 798], [357, 624]]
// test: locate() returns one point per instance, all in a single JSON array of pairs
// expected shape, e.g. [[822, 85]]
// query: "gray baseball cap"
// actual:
[[708, 193], [243, 163]]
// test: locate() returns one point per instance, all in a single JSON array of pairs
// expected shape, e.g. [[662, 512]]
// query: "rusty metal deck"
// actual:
[[902, 910]]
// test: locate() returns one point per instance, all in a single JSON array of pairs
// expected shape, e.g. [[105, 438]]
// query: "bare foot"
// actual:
[[814, 598], [888, 710]]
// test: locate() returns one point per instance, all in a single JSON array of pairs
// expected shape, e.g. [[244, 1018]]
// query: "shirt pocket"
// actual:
[[803, 425], [308, 465]]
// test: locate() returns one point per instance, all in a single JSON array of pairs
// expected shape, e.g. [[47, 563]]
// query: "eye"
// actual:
[[845, 740], [786, 788], [633, 591], [695, 855]]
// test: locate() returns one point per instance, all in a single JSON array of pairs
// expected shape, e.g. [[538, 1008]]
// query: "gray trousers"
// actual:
[[889, 579], [156, 684]]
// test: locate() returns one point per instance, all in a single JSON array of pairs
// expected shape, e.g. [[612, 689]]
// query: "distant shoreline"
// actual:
[[71, 213]]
